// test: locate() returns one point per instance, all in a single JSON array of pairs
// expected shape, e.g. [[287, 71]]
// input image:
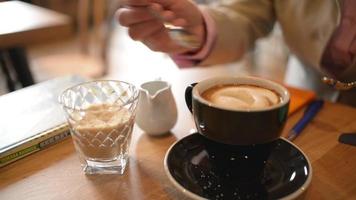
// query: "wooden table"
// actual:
[[23, 24], [55, 173]]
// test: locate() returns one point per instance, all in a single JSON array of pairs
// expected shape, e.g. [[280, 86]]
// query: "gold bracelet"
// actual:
[[338, 85]]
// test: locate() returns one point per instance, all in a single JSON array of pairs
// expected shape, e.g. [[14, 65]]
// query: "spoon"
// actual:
[[338, 84], [182, 37]]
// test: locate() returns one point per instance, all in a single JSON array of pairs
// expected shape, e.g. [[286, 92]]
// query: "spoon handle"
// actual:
[[182, 37]]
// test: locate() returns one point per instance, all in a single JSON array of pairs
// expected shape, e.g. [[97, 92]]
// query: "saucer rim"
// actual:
[[192, 195]]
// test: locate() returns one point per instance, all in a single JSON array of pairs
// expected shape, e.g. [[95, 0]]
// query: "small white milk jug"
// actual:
[[157, 110]]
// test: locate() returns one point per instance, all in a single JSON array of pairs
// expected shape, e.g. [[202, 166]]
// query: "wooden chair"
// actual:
[[91, 59], [33, 26]]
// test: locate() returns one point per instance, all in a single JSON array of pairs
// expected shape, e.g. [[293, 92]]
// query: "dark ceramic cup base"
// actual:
[[202, 169]]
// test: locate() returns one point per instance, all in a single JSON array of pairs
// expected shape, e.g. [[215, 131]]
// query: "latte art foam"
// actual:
[[241, 97]]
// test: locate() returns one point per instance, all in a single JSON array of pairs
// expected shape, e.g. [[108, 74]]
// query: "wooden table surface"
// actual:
[[55, 173], [23, 24]]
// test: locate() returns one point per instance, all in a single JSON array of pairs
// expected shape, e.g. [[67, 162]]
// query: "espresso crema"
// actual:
[[241, 97]]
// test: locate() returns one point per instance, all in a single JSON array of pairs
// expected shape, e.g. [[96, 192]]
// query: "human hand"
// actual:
[[146, 21]]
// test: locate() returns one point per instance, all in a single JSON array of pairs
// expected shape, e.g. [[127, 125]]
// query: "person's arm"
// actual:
[[239, 23], [231, 30], [194, 58]]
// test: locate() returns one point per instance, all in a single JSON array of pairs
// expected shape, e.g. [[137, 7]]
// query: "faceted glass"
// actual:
[[101, 116]]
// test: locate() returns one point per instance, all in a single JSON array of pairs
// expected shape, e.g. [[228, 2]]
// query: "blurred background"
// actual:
[[54, 38]]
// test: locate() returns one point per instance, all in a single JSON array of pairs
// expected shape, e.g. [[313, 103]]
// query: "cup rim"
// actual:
[[285, 96], [132, 99]]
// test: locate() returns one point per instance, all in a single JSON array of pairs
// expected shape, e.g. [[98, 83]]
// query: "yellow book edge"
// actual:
[[34, 144]]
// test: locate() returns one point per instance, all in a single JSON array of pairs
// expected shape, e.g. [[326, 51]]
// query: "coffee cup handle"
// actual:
[[189, 96]]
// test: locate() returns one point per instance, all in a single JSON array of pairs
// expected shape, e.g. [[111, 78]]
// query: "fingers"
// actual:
[[179, 22], [154, 35], [157, 42], [141, 31], [145, 21], [167, 15], [160, 41], [155, 7], [130, 16], [166, 3], [125, 3]]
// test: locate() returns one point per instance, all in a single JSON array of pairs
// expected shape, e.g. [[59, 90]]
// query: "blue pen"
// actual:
[[310, 112]]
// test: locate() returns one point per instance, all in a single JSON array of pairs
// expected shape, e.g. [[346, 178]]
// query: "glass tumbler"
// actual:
[[101, 116]]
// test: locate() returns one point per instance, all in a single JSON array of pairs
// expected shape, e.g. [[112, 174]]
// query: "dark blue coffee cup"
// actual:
[[238, 126]]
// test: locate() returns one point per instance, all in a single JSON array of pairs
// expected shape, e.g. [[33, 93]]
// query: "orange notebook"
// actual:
[[299, 98]]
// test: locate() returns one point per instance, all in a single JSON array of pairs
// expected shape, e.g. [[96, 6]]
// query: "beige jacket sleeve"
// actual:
[[238, 24]]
